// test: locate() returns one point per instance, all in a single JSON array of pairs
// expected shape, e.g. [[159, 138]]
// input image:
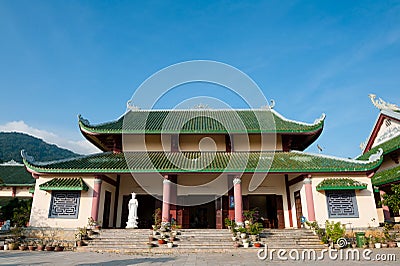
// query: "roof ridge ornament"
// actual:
[[201, 106], [319, 120], [269, 106], [382, 105], [131, 106], [27, 157], [376, 156]]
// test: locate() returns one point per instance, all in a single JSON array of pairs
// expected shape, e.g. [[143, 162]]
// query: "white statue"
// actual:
[[132, 206]]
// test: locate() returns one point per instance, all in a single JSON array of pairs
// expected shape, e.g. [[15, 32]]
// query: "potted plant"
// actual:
[[50, 247], [59, 247], [32, 246], [161, 240], [12, 245], [257, 244], [254, 230], [246, 243], [170, 244], [23, 246], [377, 242], [41, 245], [334, 231], [242, 232]]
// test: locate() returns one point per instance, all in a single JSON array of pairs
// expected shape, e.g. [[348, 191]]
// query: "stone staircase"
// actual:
[[134, 241], [291, 239]]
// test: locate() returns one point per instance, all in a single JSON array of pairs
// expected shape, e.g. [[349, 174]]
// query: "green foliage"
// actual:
[[230, 223], [334, 231], [251, 215], [255, 228], [17, 211], [12, 143], [242, 230], [157, 218], [392, 200]]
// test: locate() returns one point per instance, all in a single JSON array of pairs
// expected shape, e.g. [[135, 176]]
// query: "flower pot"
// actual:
[[378, 245], [49, 248], [1, 247], [32, 248], [12, 246], [155, 233], [79, 243], [364, 246], [5, 246], [243, 235], [23, 247], [246, 244], [392, 245], [253, 238], [233, 238], [257, 245], [398, 244], [371, 245], [384, 245], [161, 241], [41, 247], [170, 244], [236, 245], [58, 248], [353, 245]]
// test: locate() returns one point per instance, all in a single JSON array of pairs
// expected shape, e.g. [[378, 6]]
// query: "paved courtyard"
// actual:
[[239, 258]]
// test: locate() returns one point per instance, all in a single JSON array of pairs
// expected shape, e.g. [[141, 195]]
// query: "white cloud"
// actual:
[[78, 146]]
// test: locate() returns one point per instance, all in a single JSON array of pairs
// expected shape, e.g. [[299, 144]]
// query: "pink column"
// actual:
[[385, 209], [167, 184], [309, 199], [96, 198], [237, 193]]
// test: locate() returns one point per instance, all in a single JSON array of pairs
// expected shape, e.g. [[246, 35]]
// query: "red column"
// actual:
[[309, 199], [385, 209], [96, 198], [167, 184], [237, 193]]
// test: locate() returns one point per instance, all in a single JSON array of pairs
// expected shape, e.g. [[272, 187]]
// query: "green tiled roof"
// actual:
[[15, 175], [202, 121], [386, 176], [387, 147], [283, 162], [64, 184], [340, 184]]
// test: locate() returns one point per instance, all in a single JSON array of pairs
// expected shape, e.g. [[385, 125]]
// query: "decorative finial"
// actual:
[[382, 105], [319, 120], [201, 106], [131, 106]]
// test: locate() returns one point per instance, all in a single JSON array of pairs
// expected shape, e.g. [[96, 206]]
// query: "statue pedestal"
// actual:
[[132, 223]]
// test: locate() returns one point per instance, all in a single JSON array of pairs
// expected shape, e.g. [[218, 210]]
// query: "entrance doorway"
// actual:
[[106, 209], [297, 204], [145, 211], [202, 216], [270, 209]]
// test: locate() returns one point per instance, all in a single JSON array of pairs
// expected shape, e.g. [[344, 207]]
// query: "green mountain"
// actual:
[[12, 143]]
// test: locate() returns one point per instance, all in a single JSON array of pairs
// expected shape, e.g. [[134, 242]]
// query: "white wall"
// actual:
[[365, 201], [41, 205]]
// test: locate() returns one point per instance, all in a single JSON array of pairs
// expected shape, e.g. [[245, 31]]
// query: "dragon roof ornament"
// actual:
[[131, 106], [376, 156], [382, 105]]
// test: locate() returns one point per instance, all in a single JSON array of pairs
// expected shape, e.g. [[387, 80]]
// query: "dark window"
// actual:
[[341, 203], [64, 204]]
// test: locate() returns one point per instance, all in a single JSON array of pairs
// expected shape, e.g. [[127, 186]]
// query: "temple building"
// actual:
[[15, 181], [203, 165], [385, 135]]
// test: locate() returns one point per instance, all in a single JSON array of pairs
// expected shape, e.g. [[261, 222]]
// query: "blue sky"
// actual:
[[59, 59]]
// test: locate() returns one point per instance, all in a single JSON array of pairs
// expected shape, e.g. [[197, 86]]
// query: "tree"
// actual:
[[392, 200]]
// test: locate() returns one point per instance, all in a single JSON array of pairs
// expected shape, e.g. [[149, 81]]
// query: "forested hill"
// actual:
[[12, 143]]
